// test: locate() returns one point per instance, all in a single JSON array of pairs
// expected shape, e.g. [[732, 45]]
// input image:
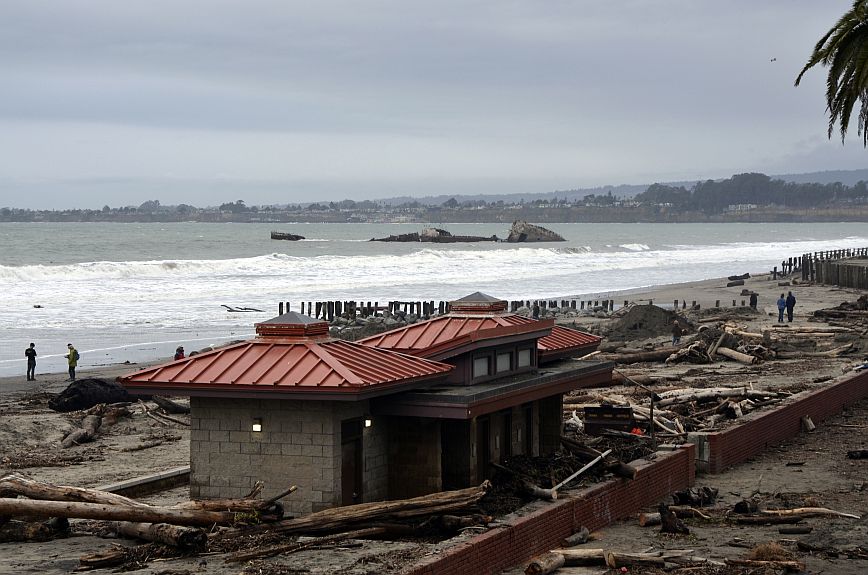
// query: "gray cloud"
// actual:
[[208, 101]]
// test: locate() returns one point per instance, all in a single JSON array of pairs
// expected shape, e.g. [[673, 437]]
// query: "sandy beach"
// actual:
[[30, 433]]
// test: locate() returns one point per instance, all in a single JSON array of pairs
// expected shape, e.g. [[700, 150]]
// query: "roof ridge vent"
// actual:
[[478, 303], [293, 324]]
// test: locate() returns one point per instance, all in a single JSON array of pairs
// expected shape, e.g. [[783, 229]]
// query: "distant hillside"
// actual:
[[846, 177]]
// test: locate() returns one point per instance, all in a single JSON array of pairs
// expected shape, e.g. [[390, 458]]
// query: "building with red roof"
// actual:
[[419, 409]]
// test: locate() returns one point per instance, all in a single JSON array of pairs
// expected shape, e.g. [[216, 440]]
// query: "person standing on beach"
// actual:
[[782, 305], [179, 353], [676, 332], [791, 303], [30, 354], [535, 311], [753, 299], [72, 360]]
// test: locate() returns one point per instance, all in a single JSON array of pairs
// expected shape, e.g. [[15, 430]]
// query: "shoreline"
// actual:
[[704, 292]]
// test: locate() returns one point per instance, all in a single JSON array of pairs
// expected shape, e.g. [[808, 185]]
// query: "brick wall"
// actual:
[[299, 445], [540, 530], [719, 450]]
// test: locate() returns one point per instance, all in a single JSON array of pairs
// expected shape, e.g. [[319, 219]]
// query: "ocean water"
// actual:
[[133, 292]]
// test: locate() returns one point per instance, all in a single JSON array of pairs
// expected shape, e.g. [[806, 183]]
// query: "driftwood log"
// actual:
[[170, 406], [583, 535], [737, 355], [298, 546], [546, 563], [788, 565], [30, 507], [191, 539], [682, 512], [87, 432], [640, 357], [670, 523], [808, 512], [33, 530], [342, 518], [580, 557], [14, 485], [103, 559]]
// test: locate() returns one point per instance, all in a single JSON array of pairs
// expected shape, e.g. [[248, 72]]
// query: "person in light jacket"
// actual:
[[782, 305], [72, 360]]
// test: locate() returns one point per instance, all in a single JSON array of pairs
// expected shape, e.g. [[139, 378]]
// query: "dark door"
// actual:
[[351, 462], [483, 448]]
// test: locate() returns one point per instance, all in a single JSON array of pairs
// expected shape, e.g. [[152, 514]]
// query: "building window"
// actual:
[[524, 358], [481, 367], [504, 362]]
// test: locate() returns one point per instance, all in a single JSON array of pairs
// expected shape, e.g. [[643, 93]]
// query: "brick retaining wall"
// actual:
[[757, 431], [543, 529]]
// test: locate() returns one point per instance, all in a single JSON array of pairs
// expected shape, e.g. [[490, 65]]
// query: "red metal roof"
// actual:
[[565, 342], [291, 355], [441, 334], [478, 317]]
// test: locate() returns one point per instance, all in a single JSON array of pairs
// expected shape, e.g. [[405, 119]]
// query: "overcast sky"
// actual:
[[200, 102]]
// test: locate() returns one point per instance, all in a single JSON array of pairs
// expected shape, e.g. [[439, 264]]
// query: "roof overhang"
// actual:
[[229, 391], [467, 402]]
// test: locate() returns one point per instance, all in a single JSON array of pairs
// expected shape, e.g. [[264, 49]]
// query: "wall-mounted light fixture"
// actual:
[[257, 424], [368, 422]]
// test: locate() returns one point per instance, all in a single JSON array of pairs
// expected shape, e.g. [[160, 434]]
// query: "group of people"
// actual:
[[786, 304], [72, 356]]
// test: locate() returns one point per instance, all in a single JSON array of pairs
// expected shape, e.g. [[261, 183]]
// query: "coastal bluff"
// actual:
[[522, 231]]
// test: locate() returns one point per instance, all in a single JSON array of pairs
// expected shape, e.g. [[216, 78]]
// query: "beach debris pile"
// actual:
[[676, 412], [700, 505], [97, 418], [243, 529]]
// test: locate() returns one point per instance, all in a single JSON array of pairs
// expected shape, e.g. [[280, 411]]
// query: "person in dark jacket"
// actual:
[[782, 305], [753, 299], [179, 353], [791, 303], [30, 354], [676, 332]]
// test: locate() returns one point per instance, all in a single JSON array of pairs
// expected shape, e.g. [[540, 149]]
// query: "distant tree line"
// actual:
[[731, 199], [715, 197]]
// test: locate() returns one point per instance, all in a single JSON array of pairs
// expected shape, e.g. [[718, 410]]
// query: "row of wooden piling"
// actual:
[[837, 268], [329, 310], [807, 263]]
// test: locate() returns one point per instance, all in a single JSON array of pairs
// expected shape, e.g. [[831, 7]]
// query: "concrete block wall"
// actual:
[[375, 474], [299, 445], [757, 431], [521, 538]]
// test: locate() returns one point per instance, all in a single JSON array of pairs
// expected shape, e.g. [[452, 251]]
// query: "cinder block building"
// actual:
[[412, 411]]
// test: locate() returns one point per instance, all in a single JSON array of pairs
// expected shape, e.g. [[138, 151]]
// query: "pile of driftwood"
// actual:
[[677, 411], [104, 415], [99, 417], [35, 511], [672, 519], [729, 340]]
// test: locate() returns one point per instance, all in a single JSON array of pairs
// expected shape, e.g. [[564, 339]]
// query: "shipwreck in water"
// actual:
[[522, 231], [286, 236], [435, 235]]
